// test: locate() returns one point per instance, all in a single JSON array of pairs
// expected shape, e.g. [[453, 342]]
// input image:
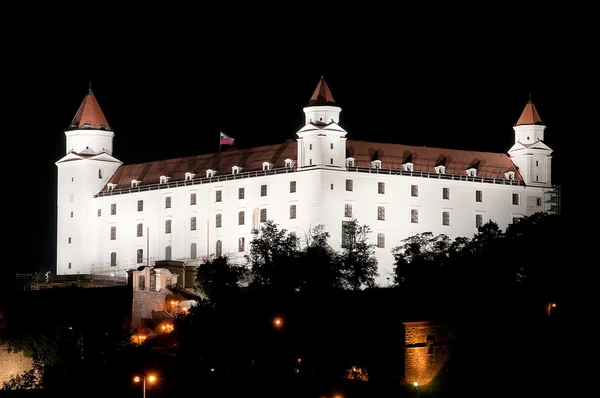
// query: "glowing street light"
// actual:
[[150, 378], [278, 322], [416, 384]]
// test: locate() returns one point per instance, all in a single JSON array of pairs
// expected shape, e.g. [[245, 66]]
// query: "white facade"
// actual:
[[110, 222]]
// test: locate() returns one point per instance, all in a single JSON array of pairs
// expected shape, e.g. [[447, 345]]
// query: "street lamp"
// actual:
[[416, 384], [150, 378]]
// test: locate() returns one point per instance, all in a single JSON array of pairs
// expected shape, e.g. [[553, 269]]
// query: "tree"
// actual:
[[357, 260], [273, 257], [320, 268], [217, 278]]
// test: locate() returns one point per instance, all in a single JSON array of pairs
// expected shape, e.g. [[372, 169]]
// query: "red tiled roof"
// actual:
[[529, 115], [321, 95], [392, 156], [89, 113]]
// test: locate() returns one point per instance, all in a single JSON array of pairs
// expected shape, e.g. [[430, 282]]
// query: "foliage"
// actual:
[[274, 257], [320, 268], [358, 263], [29, 379], [218, 278]]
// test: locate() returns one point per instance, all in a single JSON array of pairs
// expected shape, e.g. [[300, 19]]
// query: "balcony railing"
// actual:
[[283, 170]]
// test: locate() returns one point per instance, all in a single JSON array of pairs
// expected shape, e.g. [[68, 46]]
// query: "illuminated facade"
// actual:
[[114, 217]]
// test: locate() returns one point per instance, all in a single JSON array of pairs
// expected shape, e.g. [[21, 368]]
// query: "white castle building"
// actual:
[[114, 217]]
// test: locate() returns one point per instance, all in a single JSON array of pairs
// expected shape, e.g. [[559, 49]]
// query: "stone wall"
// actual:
[[12, 364], [144, 302], [427, 348]]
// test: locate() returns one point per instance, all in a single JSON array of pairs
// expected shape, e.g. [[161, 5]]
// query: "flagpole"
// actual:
[[219, 142]]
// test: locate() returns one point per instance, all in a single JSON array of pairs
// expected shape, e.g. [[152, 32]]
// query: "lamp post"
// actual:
[[416, 384], [150, 378]]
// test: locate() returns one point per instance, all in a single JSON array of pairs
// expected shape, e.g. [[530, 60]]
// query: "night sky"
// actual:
[[168, 92]]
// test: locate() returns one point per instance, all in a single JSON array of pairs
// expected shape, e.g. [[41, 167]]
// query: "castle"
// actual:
[[114, 217]]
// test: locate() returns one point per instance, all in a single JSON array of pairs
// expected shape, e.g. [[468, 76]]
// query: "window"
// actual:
[[193, 251], [99, 173], [113, 209], [140, 206], [99, 212], [515, 220], [267, 166], [472, 172], [218, 220], [509, 175], [478, 196], [69, 265], [331, 146], [168, 251], [69, 240], [167, 226], [113, 233], [263, 190], [71, 214], [142, 282], [515, 198], [263, 215], [288, 163], [381, 187], [376, 164], [440, 169], [241, 244], [347, 210], [292, 212], [331, 186], [241, 193], [349, 185], [113, 259], [310, 147], [140, 256], [235, 169], [153, 281], [446, 193], [330, 160], [381, 213], [189, 176], [538, 201], [478, 220], [414, 216], [210, 173], [408, 166], [193, 224], [135, 183], [140, 229], [445, 218], [219, 248], [164, 179], [192, 199], [218, 196], [348, 234], [168, 202], [414, 190], [241, 218], [292, 186], [381, 240], [349, 162], [310, 162]]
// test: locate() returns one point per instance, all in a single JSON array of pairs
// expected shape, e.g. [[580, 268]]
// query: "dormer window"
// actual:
[[111, 186], [189, 176], [135, 183], [210, 173], [288, 163], [102, 127], [267, 166], [440, 169], [376, 164], [87, 126], [236, 169], [164, 179], [509, 175], [472, 172], [408, 166], [349, 162]]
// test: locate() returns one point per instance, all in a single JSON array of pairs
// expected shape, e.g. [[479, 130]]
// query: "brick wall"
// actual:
[[12, 364], [427, 349]]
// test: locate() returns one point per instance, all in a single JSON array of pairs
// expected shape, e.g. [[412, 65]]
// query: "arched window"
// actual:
[[193, 251], [168, 253], [219, 248]]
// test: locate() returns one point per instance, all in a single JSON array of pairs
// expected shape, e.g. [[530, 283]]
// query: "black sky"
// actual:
[[168, 91]]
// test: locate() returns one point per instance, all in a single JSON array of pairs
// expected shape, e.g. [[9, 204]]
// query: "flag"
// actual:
[[226, 140]]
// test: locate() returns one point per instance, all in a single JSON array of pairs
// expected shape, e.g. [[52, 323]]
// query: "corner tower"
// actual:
[[82, 173], [529, 152], [321, 142]]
